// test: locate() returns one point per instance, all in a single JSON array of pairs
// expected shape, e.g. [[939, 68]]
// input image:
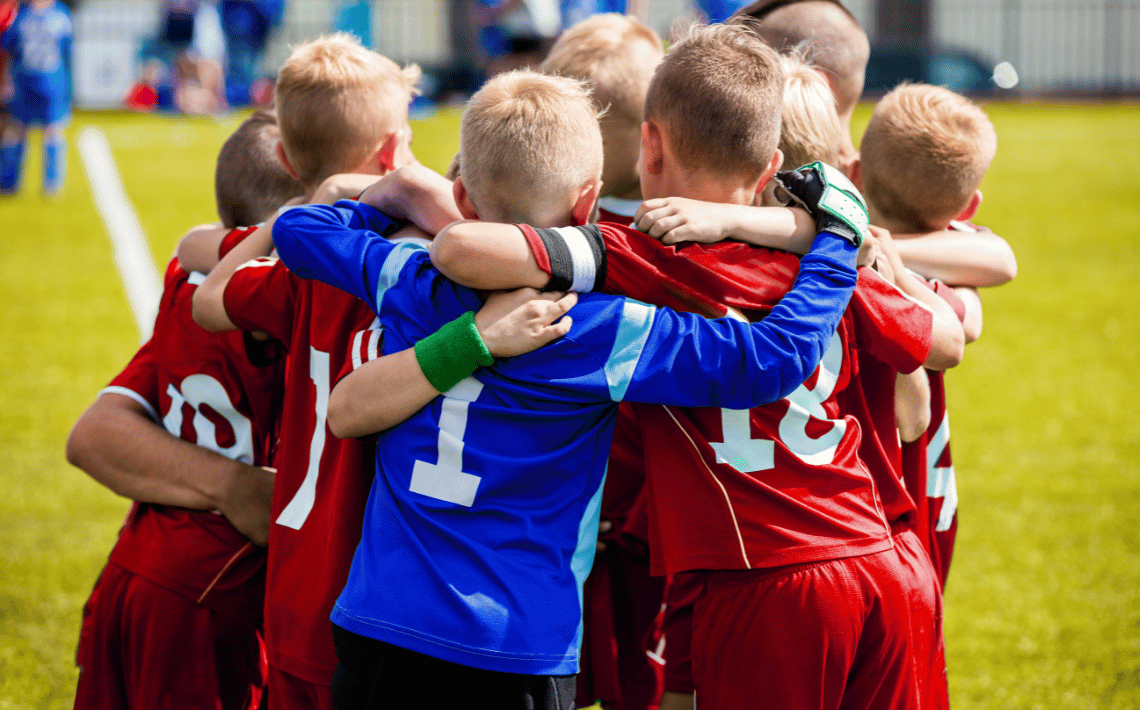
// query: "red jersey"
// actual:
[[782, 483], [219, 391], [322, 482], [928, 470]]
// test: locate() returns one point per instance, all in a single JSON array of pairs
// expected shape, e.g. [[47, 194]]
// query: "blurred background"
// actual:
[[1003, 47]]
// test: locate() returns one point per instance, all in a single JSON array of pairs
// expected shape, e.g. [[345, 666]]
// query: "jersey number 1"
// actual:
[[446, 480], [298, 510]]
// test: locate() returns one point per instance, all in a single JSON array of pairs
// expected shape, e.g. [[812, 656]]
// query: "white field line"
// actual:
[[136, 266]]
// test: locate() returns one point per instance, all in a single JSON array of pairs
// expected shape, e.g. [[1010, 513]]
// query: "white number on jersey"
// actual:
[[298, 510], [940, 481], [749, 455], [446, 480], [198, 390]]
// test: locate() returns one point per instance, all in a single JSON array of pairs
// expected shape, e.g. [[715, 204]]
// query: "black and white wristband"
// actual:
[[577, 257]]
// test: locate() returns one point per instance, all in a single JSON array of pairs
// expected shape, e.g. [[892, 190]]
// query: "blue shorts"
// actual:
[[31, 109]]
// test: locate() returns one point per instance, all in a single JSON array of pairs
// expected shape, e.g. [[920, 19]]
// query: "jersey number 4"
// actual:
[[749, 455]]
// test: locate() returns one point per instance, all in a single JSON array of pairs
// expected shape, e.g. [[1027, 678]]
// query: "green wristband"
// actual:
[[452, 353]]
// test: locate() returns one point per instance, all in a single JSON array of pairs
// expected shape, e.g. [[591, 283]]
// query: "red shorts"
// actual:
[[682, 592], [619, 665], [288, 692], [825, 635], [143, 646], [926, 617]]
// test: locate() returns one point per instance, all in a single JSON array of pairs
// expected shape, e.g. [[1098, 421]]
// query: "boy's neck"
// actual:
[[901, 228]]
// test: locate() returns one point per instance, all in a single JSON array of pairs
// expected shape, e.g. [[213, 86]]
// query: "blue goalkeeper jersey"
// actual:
[[482, 520]]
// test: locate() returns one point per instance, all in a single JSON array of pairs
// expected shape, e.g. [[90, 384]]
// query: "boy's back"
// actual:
[[220, 391]]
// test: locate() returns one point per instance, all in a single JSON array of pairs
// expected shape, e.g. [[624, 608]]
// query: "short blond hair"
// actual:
[[810, 129], [336, 101], [603, 52], [718, 93], [527, 141], [924, 154]]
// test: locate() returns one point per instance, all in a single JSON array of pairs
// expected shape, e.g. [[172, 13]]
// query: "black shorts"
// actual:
[[374, 674]]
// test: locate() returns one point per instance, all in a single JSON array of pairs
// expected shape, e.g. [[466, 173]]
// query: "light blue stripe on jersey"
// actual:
[[633, 331], [583, 560], [393, 265]]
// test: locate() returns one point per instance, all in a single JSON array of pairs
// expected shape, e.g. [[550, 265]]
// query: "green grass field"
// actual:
[[1043, 605]]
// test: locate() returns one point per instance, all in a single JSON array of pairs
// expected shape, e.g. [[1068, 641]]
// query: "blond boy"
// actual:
[[948, 143], [615, 56], [498, 535], [341, 108]]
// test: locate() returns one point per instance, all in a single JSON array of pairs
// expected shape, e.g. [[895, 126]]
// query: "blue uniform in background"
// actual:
[[39, 42], [482, 520]]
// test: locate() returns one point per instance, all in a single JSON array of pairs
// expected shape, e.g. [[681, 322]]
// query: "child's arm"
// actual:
[[948, 341], [416, 194], [209, 297], [977, 259], [912, 404], [678, 219], [487, 256], [972, 323], [380, 394], [117, 443], [198, 249]]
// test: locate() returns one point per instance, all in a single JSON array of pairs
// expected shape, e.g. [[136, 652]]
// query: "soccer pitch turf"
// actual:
[[1043, 603]]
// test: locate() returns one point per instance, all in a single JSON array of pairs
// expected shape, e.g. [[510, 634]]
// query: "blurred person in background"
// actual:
[[515, 34], [247, 25], [39, 44]]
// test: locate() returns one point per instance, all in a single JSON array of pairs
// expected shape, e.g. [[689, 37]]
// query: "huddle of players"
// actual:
[[793, 540]]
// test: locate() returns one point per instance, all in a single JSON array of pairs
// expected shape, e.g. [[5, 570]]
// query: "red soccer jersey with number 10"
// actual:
[[219, 391], [322, 482], [782, 483]]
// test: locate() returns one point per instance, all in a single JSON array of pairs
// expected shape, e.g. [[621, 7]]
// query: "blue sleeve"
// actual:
[[342, 245], [663, 357]]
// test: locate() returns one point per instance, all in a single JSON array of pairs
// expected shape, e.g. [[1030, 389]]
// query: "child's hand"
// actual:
[[346, 186], [517, 322], [677, 219]]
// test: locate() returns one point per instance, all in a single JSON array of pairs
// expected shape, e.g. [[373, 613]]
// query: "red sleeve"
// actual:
[[366, 345], [890, 327], [234, 237], [139, 379], [263, 295], [948, 294], [538, 247]]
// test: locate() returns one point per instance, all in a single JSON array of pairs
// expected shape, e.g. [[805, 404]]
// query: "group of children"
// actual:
[[573, 424]]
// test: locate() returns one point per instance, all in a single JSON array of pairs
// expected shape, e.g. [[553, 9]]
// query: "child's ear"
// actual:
[[770, 171], [855, 173], [386, 156], [971, 209], [584, 205], [652, 148], [285, 161], [463, 200]]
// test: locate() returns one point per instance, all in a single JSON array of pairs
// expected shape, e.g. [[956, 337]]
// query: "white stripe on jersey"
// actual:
[[115, 389]]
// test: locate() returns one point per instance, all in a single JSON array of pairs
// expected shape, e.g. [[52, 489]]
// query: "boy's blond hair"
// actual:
[[924, 154], [717, 94], [607, 52], [810, 128], [527, 142], [336, 101]]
